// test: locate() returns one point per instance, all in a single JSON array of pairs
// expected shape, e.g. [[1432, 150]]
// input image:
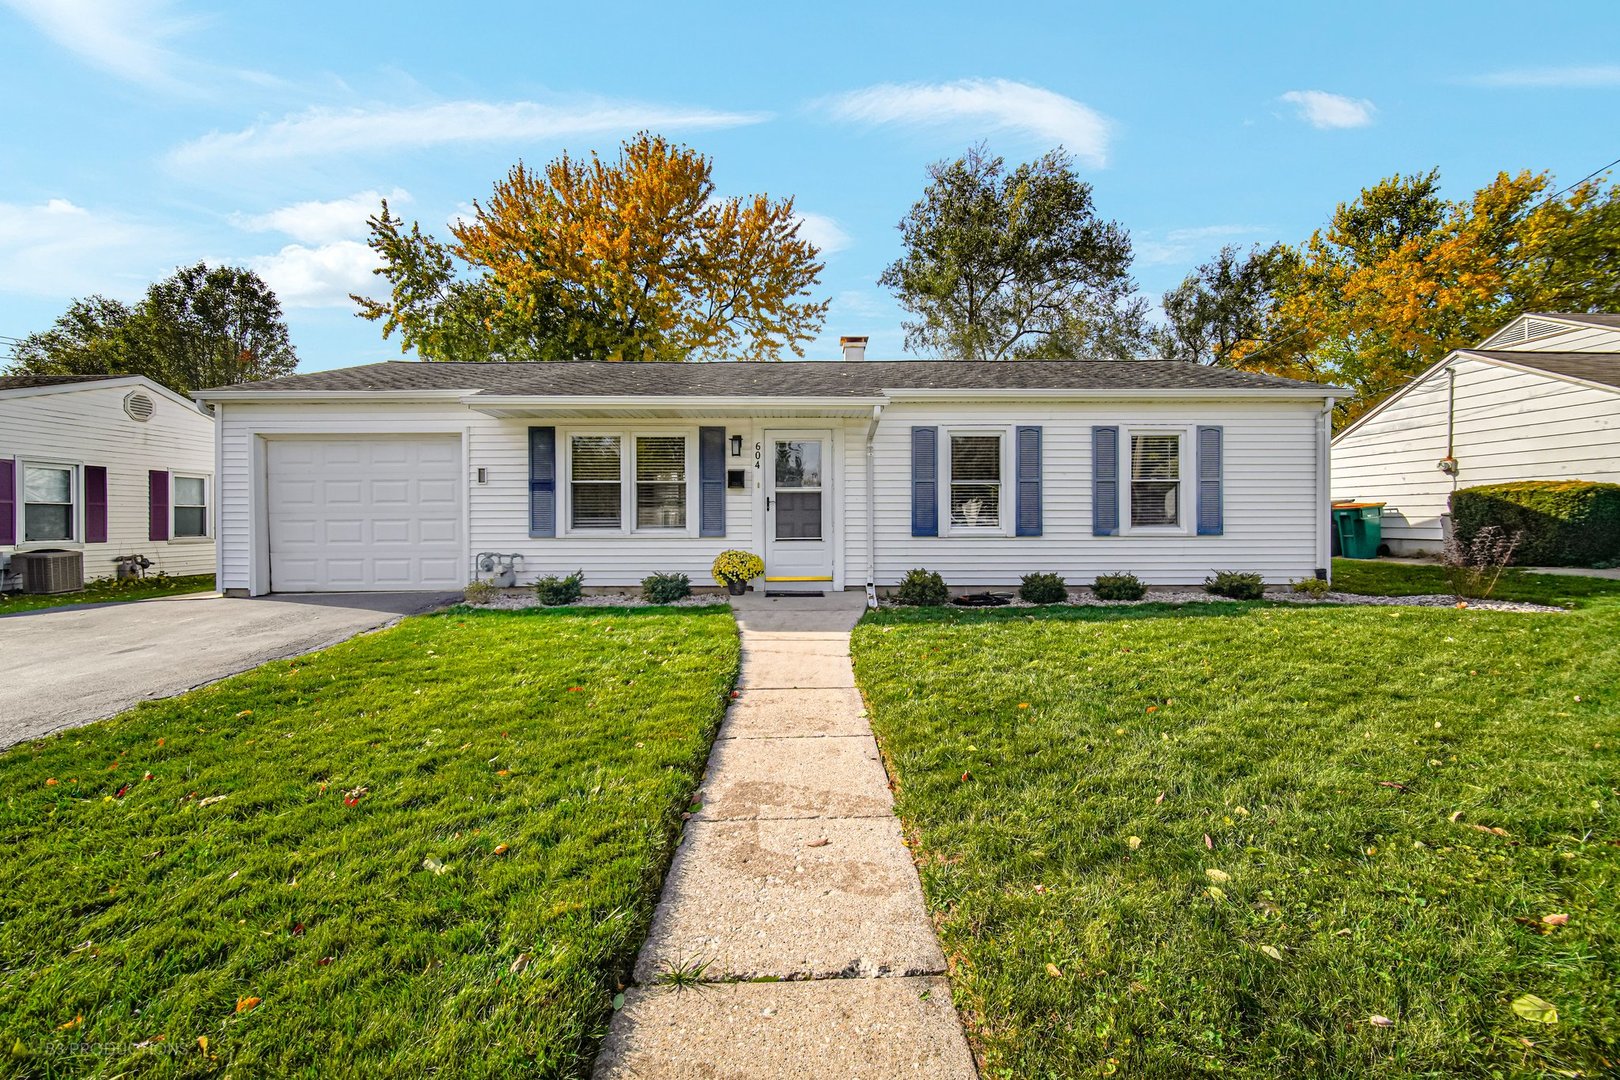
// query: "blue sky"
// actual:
[[144, 134]]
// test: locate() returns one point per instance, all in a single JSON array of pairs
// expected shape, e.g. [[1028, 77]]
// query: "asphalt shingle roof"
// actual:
[[812, 378], [1593, 367], [27, 382], [1591, 319]]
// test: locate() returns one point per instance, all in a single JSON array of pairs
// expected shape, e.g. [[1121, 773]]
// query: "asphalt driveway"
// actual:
[[65, 667]]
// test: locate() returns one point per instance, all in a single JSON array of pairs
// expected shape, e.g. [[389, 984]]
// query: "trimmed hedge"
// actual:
[[1559, 522]]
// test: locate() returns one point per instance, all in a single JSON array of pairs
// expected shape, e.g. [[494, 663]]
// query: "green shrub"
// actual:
[[665, 588], [1118, 587], [554, 591], [1043, 589], [922, 588], [1313, 586], [1558, 522], [480, 592], [1236, 585]]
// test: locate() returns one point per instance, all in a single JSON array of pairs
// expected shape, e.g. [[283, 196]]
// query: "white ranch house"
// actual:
[[1537, 400], [107, 466], [842, 475]]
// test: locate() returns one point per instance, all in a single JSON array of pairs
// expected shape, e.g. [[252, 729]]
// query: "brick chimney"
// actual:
[[854, 348]]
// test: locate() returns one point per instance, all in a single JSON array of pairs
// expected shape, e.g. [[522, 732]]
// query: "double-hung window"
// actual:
[[627, 482], [190, 507], [596, 482], [1155, 479], [48, 509], [660, 482], [975, 478]]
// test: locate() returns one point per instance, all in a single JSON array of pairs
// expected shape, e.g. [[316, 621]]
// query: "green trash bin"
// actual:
[[1359, 528]]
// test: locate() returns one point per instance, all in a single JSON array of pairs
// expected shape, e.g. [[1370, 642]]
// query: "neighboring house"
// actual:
[[110, 466], [1537, 400], [840, 474]]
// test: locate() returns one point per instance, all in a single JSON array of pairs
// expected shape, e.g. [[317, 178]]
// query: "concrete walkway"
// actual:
[[793, 879]]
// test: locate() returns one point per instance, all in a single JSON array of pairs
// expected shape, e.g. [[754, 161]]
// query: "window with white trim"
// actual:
[[660, 481], [47, 498], [189, 507], [595, 482], [1155, 479], [975, 479]]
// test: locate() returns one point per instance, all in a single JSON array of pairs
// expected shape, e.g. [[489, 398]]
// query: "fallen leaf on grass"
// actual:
[[501, 849], [147, 1044], [1133, 842], [1215, 894], [1554, 920], [1535, 1008], [1219, 877], [323, 961], [1208, 843], [71, 1024], [430, 863], [244, 713], [618, 1001], [246, 1004], [51, 782], [1054, 971], [1380, 1021], [523, 961], [1272, 951], [1396, 784], [121, 792], [1159, 800], [202, 1043], [212, 799]]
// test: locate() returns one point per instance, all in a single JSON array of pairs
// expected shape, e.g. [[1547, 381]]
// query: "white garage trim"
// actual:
[[435, 559]]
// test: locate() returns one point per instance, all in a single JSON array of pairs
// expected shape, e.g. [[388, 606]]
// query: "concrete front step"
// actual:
[[776, 714], [863, 1028], [788, 669], [759, 899], [837, 777]]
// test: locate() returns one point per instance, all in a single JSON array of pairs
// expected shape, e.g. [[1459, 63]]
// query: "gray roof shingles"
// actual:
[[802, 378], [1592, 367], [1600, 318]]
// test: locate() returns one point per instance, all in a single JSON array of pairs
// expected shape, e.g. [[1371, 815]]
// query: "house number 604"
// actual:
[[759, 454]]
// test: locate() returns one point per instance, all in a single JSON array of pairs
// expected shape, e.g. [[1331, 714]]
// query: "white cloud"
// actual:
[[1577, 77], [984, 106], [322, 222], [320, 132], [126, 38], [1181, 245], [311, 277], [1321, 109], [59, 249], [824, 232]]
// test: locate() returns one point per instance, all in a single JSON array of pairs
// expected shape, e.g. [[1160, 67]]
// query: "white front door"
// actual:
[[798, 510]]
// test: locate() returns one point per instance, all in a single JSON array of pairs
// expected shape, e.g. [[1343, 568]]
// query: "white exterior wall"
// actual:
[[1509, 425], [1274, 510], [1274, 493], [85, 424]]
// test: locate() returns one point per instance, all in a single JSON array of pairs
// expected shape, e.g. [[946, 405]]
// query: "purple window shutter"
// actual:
[[157, 486], [95, 504], [8, 502]]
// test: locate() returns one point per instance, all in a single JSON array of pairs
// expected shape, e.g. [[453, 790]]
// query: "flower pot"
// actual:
[[736, 588]]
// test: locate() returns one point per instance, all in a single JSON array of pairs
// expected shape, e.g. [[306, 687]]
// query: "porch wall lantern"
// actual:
[[736, 446]]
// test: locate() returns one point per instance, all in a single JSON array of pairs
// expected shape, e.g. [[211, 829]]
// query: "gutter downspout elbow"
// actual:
[[871, 508]]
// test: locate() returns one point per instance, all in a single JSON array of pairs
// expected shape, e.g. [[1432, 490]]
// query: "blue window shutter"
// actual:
[[1105, 481], [1028, 474], [542, 481], [1210, 521], [712, 481], [924, 481]]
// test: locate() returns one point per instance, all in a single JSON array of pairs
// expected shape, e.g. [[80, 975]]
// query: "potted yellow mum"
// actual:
[[734, 569]]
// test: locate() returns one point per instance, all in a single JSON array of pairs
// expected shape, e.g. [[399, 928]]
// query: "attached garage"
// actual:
[[365, 513]]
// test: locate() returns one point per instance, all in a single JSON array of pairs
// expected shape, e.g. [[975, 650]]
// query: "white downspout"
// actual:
[[1324, 483], [871, 508]]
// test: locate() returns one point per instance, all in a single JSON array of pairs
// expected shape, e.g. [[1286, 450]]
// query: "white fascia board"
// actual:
[[1312, 393], [315, 397], [101, 384]]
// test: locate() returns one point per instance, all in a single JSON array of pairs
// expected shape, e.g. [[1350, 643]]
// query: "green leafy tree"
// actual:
[[1014, 264], [1223, 305], [631, 259], [202, 326]]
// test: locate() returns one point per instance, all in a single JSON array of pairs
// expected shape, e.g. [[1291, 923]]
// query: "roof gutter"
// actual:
[[1298, 393], [318, 396]]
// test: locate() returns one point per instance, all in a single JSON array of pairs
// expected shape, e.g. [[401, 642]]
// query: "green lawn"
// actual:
[[106, 590], [430, 850], [1373, 577], [1220, 840]]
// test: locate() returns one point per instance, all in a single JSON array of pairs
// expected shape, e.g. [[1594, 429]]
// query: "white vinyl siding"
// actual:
[[1509, 425], [84, 424]]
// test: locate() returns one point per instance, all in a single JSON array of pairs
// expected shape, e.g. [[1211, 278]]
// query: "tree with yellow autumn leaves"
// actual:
[[585, 259], [1399, 277]]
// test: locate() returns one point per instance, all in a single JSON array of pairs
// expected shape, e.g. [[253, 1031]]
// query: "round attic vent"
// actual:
[[138, 405]]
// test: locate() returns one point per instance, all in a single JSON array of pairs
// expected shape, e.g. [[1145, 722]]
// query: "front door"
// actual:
[[798, 510]]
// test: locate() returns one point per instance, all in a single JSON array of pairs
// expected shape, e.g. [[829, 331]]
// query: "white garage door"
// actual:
[[351, 515]]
